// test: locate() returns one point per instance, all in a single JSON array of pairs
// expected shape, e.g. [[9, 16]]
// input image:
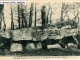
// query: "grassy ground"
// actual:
[[49, 52]]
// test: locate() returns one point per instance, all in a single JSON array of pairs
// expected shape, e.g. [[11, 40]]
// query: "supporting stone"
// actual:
[[16, 47]]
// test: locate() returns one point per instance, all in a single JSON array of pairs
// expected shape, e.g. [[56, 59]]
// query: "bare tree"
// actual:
[[75, 6], [37, 18], [24, 22], [65, 9], [72, 6], [20, 12], [62, 11], [48, 13], [50, 9]]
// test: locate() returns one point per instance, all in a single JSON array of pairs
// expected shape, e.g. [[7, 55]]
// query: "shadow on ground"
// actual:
[[49, 52]]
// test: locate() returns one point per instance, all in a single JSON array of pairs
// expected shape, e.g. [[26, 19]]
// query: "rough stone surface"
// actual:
[[15, 47]]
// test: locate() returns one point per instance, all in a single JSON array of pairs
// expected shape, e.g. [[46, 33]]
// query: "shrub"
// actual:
[[72, 23]]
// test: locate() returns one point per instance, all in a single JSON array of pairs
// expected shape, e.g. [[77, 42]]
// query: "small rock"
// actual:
[[54, 46]]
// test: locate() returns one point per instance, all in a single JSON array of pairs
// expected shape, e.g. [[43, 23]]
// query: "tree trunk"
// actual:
[[31, 15], [35, 15], [43, 16], [4, 22], [18, 16], [50, 16], [0, 25], [1, 14], [12, 23], [24, 22], [0, 20], [22, 14], [62, 12]]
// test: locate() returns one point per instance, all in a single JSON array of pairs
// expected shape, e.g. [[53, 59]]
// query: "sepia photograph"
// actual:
[[40, 29]]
